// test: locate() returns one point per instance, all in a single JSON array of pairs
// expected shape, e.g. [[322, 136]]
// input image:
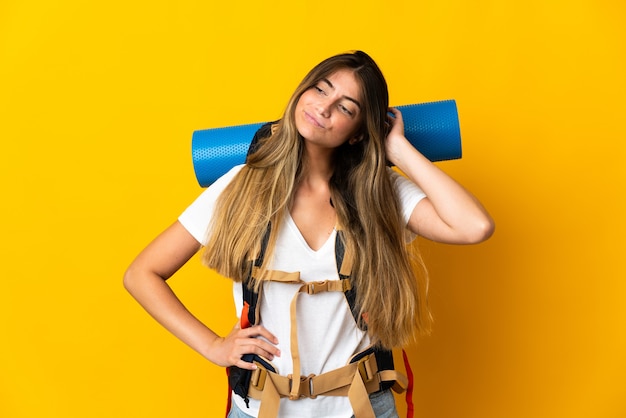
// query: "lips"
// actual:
[[312, 120]]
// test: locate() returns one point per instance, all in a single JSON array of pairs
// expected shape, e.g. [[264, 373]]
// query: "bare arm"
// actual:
[[145, 279], [449, 213]]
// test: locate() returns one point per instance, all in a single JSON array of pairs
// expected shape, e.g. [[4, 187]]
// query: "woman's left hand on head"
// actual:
[[396, 141]]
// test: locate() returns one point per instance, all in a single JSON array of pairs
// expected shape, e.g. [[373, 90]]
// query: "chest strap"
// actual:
[[356, 380], [310, 288], [363, 375]]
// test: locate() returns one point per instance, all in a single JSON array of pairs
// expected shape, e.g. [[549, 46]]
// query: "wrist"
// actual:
[[402, 153], [209, 349]]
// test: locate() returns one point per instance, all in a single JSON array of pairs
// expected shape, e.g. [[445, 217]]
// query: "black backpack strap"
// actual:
[[263, 132], [250, 296], [239, 379], [340, 251], [384, 360]]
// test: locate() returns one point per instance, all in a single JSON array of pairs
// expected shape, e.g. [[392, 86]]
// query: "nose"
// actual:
[[323, 108]]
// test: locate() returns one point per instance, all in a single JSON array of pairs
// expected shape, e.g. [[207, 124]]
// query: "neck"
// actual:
[[317, 164]]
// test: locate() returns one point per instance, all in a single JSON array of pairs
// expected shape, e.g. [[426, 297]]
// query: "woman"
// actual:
[[321, 169]]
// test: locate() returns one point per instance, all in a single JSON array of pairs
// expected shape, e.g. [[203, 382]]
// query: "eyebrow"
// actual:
[[356, 102]]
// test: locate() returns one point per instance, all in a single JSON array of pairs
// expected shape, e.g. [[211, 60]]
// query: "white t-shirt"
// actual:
[[327, 333]]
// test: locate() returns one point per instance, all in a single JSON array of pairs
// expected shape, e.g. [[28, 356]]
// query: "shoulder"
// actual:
[[220, 184], [197, 215], [409, 194]]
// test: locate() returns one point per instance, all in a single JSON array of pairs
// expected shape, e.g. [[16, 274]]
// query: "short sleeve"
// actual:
[[409, 194], [197, 217]]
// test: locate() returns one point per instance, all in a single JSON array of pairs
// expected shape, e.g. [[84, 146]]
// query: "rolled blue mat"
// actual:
[[432, 128]]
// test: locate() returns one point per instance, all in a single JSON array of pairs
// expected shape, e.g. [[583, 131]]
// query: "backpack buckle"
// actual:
[[257, 380], [305, 387], [365, 369], [314, 288]]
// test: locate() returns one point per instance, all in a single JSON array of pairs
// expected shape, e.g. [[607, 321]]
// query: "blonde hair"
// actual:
[[390, 280]]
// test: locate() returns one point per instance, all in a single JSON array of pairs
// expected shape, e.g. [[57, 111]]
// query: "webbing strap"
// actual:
[[361, 405], [277, 275], [270, 400], [346, 265], [311, 288], [355, 380]]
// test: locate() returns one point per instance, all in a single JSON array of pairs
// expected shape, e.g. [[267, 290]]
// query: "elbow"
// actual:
[[481, 231], [137, 278], [129, 280]]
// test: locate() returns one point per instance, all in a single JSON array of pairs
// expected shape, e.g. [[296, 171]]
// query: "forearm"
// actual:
[[157, 298], [463, 217]]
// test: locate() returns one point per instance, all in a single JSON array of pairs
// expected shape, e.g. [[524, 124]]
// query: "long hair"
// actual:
[[389, 276]]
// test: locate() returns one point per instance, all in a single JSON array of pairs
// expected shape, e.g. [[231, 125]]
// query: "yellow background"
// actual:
[[98, 101]]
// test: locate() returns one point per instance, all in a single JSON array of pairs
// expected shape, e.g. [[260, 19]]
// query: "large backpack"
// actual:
[[369, 371]]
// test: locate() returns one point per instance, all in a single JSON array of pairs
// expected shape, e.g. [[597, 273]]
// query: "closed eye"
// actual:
[[319, 90], [345, 110]]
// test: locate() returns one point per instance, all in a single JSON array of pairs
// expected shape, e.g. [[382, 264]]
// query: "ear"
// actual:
[[355, 139]]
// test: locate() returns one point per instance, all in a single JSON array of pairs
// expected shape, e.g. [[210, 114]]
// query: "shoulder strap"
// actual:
[[263, 132], [344, 259], [250, 316]]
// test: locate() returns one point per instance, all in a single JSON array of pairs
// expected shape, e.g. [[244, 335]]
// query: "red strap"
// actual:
[[230, 391], [409, 388], [243, 320]]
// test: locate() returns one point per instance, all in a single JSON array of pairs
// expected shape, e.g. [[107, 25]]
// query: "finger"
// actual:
[[254, 340], [396, 113], [245, 365], [261, 331], [265, 349], [257, 346]]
